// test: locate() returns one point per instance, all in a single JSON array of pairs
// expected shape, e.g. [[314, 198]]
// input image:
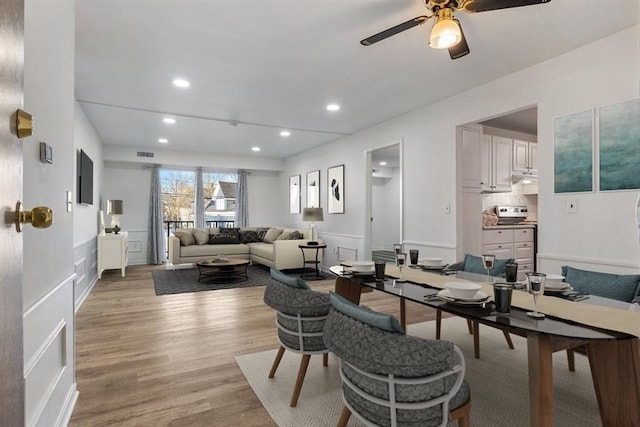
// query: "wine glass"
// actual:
[[397, 248], [488, 260], [401, 259], [535, 286]]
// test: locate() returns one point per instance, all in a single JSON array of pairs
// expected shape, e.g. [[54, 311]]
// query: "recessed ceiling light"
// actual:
[[255, 148], [333, 107], [383, 163], [181, 83], [163, 140], [285, 133], [169, 120]]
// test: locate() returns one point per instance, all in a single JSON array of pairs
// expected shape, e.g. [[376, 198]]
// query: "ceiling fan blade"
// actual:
[[394, 30], [462, 48], [487, 5]]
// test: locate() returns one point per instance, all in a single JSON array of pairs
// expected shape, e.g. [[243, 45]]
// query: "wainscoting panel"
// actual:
[[50, 388], [446, 251], [85, 262], [552, 264], [344, 246], [137, 247]]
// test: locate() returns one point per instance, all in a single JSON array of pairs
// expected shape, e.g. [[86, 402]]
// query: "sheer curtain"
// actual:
[[199, 202], [156, 252], [242, 204]]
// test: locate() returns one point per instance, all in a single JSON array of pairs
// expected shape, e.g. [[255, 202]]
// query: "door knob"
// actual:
[[39, 217], [24, 124]]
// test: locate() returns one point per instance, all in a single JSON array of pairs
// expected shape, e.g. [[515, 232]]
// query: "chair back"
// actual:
[[301, 315], [391, 379]]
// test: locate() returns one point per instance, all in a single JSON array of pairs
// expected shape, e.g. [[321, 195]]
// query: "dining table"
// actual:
[[608, 329]]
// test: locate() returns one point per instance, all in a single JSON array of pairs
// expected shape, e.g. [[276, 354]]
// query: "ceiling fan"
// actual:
[[447, 32]]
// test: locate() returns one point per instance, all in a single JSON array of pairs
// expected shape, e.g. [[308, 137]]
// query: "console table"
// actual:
[[112, 252]]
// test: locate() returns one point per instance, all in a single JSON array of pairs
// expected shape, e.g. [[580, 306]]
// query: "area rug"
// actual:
[[498, 381]]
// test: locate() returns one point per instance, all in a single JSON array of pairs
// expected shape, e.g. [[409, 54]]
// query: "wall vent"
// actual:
[[145, 154]]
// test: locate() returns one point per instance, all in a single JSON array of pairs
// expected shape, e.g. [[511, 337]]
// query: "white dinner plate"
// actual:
[[359, 273], [557, 287], [479, 297]]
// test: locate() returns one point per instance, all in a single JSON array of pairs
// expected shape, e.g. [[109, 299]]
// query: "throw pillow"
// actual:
[[622, 287], [248, 236], [296, 282], [284, 235], [185, 236], [230, 230], [365, 315], [262, 231], [201, 235], [223, 239], [272, 234], [295, 235], [473, 264]]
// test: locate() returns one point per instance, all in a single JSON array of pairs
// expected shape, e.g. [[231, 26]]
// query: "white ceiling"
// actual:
[[275, 64]]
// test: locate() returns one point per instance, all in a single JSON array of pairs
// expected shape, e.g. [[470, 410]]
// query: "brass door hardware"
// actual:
[[39, 217], [24, 124]]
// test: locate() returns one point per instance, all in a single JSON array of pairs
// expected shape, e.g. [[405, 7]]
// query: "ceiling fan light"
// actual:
[[445, 32]]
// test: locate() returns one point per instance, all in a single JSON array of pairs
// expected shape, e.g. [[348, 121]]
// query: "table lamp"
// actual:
[[115, 209], [313, 215]]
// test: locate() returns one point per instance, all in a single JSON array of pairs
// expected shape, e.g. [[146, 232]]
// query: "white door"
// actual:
[[11, 97]]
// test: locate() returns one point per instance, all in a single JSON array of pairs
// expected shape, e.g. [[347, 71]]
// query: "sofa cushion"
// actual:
[[272, 234], [473, 264], [290, 235], [262, 250], [615, 286], [223, 239], [201, 235], [248, 236], [185, 236], [212, 250], [365, 315], [262, 231]]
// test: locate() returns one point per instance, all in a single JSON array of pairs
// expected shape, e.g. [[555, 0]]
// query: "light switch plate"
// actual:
[[572, 205]]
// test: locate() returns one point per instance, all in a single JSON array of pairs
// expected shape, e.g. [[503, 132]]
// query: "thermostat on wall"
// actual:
[[46, 153]]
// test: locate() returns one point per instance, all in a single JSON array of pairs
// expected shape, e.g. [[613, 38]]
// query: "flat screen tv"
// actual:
[[85, 179]]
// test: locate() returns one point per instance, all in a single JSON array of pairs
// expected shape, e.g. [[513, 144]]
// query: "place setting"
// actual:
[[463, 293]]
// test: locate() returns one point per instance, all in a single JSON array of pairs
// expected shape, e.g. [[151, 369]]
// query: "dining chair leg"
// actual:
[[507, 337], [304, 363], [438, 322], [476, 339], [462, 414], [276, 362], [344, 416], [470, 326], [571, 359], [325, 359]]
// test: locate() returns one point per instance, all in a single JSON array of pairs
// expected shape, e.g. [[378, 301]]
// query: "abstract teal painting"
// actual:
[[620, 146], [573, 152]]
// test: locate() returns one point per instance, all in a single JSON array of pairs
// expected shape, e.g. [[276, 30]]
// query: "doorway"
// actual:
[[384, 201]]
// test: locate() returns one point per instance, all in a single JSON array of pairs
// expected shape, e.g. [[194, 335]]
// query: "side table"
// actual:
[[315, 262]]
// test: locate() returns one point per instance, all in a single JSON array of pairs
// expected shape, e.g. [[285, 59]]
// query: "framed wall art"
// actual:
[[335, 189], [294, 194], [619, 144], [573, 152], [313, 189]]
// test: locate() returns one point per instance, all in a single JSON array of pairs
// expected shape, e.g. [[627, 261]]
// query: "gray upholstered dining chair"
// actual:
[[473, 264], [393, 379], [301, 314]]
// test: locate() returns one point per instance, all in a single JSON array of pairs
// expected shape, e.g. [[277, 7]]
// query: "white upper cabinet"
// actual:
[[525, 156], [471, 167], [496, 163]]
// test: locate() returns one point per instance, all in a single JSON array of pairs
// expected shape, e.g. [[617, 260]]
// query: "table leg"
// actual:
[[348, 289], [539, 350], [403, 313], [615, 368]]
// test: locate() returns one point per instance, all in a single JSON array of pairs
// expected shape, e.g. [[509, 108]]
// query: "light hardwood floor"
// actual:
[[147, 360]]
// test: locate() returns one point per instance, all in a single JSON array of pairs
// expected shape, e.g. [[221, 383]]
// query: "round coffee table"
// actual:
[[231, 270]]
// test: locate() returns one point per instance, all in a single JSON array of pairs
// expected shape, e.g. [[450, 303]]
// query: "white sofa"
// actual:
[[280, 253]]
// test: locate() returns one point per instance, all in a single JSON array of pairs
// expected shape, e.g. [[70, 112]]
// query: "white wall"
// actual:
[[602, 73], [48, 253], [264, 198], [385, 211]]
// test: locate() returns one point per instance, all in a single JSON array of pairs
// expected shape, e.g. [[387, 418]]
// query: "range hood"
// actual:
[[525, 178]]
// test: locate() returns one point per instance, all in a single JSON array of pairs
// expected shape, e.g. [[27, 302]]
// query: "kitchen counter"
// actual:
[[513, 226]]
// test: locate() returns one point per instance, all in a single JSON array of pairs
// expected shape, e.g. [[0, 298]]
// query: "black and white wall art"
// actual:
[[335, 188], [313, 189], [294, 194]]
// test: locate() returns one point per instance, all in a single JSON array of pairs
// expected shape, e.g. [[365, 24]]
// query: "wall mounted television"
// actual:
[[85, 179]]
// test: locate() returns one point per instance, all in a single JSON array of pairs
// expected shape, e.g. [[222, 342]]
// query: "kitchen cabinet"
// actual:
[[496, 164], [112, 252], [517, 243], [525, 157], [470, 153]]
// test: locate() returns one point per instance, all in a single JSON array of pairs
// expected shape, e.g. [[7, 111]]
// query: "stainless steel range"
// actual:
[[508, 215]]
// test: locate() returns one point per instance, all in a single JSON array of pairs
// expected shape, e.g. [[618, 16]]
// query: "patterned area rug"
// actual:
[[182, 281], [498, 381]]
